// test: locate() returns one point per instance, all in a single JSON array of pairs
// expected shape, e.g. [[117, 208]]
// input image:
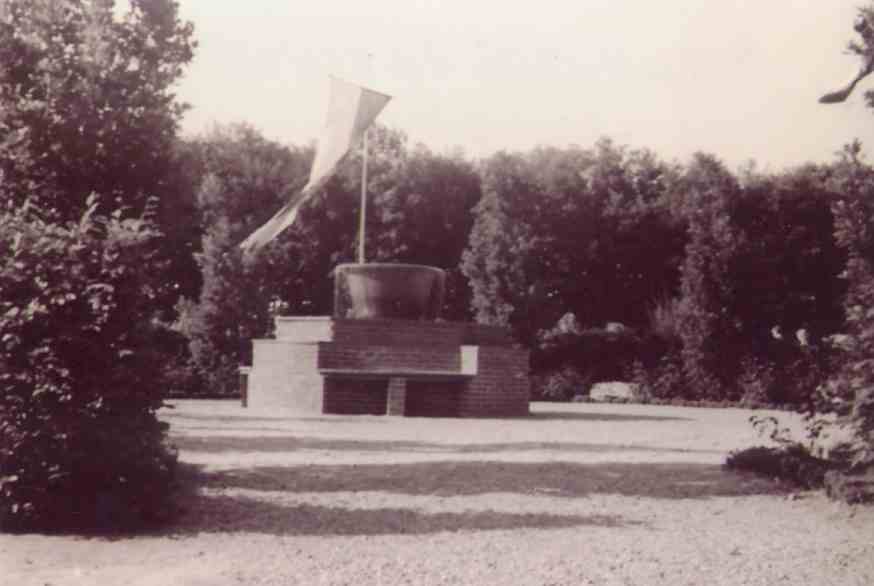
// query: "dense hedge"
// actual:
[[80, 443], [850, 392]]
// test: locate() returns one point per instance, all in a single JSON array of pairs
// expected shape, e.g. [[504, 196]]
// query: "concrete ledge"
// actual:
[[400, 332], [304, 329]]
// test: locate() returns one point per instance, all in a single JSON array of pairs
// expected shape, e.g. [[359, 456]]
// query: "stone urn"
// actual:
[[388, 291]]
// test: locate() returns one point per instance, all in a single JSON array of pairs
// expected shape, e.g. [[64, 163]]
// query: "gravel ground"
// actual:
[[576, 494]]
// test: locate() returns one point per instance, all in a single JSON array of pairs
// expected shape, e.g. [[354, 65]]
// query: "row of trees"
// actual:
[[717, 272]]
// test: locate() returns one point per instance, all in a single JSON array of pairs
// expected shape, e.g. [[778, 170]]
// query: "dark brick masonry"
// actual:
[[389, 366]]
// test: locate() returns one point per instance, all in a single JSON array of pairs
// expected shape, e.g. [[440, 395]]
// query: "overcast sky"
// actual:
[[737, 78]]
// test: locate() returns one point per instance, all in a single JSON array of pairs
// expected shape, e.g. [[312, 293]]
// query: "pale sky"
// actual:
[[737, 78]]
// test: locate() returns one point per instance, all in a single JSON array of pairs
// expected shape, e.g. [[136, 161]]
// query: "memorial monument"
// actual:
[[384, 349]]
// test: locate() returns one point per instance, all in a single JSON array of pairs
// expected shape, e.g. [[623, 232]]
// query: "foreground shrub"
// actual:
[[80, 443], [792, 464]]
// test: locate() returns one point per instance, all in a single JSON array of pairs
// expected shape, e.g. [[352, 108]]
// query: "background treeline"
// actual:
[[608, 263]]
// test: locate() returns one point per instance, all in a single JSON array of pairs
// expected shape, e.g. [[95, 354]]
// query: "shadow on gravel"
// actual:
[[567, 415], [214, 502], [226, 514], [171, 416], [222, 513], [562, 479], [216, 444]]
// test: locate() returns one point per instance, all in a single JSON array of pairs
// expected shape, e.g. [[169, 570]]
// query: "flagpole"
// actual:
[[362, 218]]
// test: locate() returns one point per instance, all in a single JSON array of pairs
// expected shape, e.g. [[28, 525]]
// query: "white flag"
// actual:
[[351, 110]]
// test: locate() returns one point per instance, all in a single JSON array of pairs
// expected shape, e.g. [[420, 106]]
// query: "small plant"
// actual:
[[663, 382], [565, 384], [756, 383], [769, 426]]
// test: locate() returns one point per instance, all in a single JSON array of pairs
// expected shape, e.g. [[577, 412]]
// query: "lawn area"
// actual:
[[575, 494]]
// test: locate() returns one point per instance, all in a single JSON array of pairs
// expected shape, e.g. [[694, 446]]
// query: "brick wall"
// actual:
[[433, 399], [372, 356], [501, 387], [286, 372], [391, 332], [355, 397]]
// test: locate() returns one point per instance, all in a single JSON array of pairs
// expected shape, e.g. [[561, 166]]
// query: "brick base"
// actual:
[[355, 397], [397, 367]]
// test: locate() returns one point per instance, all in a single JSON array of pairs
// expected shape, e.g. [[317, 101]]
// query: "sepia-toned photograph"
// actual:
[[436, 292]]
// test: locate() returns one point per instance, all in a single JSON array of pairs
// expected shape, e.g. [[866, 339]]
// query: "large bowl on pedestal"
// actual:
[[388, 291]]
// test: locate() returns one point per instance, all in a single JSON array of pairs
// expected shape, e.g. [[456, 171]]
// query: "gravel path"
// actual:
[[576, 494]]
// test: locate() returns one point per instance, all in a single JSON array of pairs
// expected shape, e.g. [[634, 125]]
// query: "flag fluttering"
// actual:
[[351, 110]]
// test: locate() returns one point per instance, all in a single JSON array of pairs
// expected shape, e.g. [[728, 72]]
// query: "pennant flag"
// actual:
[[351, 110]]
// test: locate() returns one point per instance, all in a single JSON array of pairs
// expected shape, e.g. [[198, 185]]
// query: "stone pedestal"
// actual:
[[389, 366]]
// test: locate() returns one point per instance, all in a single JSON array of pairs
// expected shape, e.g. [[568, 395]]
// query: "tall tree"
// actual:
[[245, 178], [587, 231], [89, 107], [761, 265], [499, 254], [709, 332], [425, 218], [850, 392]]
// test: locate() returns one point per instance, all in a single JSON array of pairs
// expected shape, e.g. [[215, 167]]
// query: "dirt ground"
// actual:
[[575, 494]]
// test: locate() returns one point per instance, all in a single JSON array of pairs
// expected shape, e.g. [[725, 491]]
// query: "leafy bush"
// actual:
[[560, 385], [596, 354], [793, 464], [80, 443], [756, 382], [849, 393], [761, 260], [560, 230], [664, 380]]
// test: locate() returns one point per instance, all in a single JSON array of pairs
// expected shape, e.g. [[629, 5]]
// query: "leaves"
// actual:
[[88, 122], [562, 230], [850, 392]]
